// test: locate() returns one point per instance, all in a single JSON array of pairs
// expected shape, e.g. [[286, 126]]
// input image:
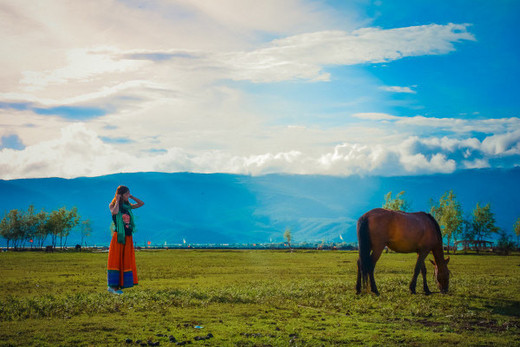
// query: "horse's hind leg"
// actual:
[[418, 267], [358, 283], [376, 253], [425, 284]]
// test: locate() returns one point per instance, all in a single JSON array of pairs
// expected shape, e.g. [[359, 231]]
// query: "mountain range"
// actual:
[[226, 208]]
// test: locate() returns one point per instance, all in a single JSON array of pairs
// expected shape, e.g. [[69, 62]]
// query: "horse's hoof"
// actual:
[[428, 293]]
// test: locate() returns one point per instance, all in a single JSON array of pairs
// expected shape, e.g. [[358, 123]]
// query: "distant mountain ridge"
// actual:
[[226, 208]]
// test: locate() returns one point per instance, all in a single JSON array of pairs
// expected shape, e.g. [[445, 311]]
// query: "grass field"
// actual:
[[254, 298]]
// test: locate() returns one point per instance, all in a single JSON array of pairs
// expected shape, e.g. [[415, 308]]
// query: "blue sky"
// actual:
[[301, 87], [478, 77]]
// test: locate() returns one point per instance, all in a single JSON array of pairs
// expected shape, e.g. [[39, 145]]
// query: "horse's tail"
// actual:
[[365, 261]]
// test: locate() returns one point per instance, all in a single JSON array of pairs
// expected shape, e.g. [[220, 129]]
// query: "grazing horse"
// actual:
[[404, 233]]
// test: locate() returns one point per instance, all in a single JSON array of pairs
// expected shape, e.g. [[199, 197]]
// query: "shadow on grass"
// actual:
[[507, 308], [502, 307]]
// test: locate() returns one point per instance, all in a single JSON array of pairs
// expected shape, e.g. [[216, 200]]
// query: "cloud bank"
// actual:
[[79, 151]]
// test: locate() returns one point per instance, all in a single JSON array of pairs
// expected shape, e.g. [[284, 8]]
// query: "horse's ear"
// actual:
[[447, 260], [432, 262]]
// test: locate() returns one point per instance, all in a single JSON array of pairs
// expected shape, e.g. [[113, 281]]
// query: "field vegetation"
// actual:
[[254, 298]]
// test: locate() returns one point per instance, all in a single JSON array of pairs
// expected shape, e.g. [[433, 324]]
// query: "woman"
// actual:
[[122, 272]]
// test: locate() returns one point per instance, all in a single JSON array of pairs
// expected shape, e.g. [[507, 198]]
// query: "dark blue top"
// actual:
[[126, 220]]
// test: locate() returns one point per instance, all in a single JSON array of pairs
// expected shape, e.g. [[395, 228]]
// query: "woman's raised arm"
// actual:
[[138, 203], [115, 209]]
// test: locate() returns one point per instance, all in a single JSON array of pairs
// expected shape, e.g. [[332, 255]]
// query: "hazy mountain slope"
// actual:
[[221, 208]]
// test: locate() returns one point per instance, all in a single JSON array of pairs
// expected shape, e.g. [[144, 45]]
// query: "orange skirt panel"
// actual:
[[122, 271]]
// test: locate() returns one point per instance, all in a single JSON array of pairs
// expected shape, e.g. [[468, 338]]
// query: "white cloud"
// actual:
[[449, 124], [80, 152], [304, 56], [476, 164], [415, 161], [375, 116], [77, 152], [419, 163], [452, 144], [268, 15], [397, 89], [82, 65], [353, 159], [502, 144]]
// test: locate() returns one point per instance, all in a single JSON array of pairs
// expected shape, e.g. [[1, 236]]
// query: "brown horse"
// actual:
[[404, 233]]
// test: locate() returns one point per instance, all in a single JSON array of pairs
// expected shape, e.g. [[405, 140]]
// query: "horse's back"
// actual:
[[401, 231]]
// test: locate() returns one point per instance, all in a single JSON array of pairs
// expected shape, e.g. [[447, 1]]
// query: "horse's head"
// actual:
[[441, 275]]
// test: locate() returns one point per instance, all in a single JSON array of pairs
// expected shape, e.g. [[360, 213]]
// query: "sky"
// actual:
[[90, 88]]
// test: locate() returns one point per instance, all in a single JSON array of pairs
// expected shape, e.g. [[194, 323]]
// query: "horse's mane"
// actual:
[[404, 213], [437, 227]]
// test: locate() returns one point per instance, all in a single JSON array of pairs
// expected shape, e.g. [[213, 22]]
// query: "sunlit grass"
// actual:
[[255, 298]]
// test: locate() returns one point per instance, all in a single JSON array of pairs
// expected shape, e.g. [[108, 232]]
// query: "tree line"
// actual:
[[21, 227], [476, 226]]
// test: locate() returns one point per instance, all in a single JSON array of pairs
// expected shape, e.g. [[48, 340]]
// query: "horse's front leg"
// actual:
[[425, 284], [418, 266]]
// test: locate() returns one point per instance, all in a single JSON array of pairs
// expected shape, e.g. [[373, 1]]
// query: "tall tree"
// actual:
[[29, 225], [86, 230], [467, 230], [287, 235], [504, 243], [55, 224], [11, 227], [448, 214], [483, 222], [70, 219], [60, 223], [5, 230], [396, 204], [42, 227]]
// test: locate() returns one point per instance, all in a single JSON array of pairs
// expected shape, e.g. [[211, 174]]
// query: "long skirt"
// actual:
[[122, 271]]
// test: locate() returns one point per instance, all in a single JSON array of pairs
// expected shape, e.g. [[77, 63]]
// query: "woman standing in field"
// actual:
[[122, 272]]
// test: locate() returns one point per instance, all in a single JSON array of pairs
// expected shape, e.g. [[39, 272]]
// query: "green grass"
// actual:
[[255, 298]]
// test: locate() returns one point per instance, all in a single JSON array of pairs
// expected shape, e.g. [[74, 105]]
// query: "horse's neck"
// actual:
[[438, 255]]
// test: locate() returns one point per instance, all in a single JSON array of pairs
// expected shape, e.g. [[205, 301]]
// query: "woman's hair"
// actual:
[[120, 190]]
